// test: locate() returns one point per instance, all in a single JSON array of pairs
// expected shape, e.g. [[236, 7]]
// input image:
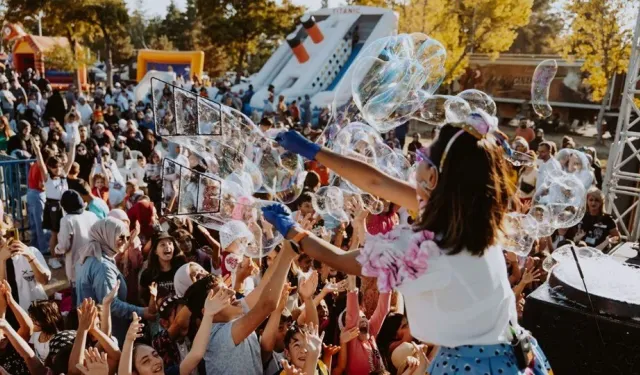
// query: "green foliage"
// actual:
[[539, 35], [63, 59], [161, 43], [597, 36], [243, 27]]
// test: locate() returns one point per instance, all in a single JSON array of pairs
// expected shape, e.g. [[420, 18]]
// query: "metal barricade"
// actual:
[[13, 190]]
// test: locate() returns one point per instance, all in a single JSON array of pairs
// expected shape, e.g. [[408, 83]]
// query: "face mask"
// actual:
[[116, 91]]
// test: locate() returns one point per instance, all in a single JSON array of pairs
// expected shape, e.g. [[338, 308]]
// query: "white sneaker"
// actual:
[[54, 263]]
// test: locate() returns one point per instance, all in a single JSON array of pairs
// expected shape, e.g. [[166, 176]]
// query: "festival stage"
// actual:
[[566, 328]]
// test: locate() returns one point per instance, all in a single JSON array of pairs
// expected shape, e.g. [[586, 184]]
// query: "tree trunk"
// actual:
[[243, 53], [76, 71], [108, 61], [603, 106]]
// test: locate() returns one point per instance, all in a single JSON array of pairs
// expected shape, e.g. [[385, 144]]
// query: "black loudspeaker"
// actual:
[[569, 337]]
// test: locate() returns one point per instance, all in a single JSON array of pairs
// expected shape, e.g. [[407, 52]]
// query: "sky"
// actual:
[[159, 7]]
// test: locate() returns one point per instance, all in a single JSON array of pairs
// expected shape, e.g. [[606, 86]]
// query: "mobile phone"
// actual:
[[13, 235]]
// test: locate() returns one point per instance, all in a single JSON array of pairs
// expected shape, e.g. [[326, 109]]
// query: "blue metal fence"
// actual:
[[13, 189]]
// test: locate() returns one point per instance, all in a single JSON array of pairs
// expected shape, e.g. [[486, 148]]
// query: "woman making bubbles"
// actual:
[[449, 267]]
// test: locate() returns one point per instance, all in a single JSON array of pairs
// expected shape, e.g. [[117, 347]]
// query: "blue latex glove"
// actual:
[[277, 216], [294, 142]]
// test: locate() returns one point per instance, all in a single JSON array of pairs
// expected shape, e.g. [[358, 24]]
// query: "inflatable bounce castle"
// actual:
[[318, 55]]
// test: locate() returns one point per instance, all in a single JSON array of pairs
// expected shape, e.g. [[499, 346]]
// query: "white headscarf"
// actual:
[[103, 237], [182, 280]]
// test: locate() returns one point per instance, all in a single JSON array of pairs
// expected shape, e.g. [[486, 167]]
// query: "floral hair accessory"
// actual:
[[395, 257], [479, 123]]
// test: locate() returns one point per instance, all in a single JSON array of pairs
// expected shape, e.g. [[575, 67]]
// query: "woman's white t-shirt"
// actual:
[[41, 348], [29, 289], [461, 300]]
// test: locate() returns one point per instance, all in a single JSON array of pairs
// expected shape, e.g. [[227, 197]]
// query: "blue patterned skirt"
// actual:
[[487, 360]]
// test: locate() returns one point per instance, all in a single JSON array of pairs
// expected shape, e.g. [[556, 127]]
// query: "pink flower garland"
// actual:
[[392, 265]]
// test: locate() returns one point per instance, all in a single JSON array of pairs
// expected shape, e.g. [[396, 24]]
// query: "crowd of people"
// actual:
[[150, 294]]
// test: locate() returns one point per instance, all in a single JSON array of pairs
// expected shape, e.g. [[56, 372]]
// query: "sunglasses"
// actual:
[[124, 237]]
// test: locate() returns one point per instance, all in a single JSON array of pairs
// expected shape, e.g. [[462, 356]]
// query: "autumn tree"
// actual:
[[538, 36], [110, 17], [467, 26], [161, 43], [241, 27], [59, 21], [597, 37]]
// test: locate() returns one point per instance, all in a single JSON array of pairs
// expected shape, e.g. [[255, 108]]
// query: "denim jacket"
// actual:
[[95, 278]]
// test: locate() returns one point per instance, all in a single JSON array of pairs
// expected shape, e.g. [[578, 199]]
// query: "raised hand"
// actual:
[[314, 341], [95, 363], [5, 289], [217, 302], [290, 369], [307, 222], [348, 334], [330, 350], [135, 329], [284, 296], [87, 314], [106, 301], [307, 287], [530, 275], [153, 290]]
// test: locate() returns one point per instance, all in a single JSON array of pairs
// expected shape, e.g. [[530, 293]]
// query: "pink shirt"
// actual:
[[360, 356], [383, 222]]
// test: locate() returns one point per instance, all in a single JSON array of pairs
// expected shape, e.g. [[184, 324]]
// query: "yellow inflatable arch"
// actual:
[[170, 61]]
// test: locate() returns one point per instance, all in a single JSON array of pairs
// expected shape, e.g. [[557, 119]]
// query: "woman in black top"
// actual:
[[164, 260], [597, 229]]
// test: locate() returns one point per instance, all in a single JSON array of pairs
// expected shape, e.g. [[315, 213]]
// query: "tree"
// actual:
[[240, 27], [467, 26], [59, 21], [539, 35], [110, 17], [61, 58], [161, 43], [175, 27], [597, 37]]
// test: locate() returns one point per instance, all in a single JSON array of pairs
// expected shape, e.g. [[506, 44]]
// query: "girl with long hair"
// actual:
[[449, 266], [164, 260]]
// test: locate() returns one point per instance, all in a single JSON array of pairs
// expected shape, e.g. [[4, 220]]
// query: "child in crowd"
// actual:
[[234, 239], [233, 346], [99, 187], [47, 321]]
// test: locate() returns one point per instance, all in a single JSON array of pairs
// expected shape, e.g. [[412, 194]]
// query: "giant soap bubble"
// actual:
[[575, 162], [540, 84], [519, 233], [393, 77], [564, 195], [227, 140]]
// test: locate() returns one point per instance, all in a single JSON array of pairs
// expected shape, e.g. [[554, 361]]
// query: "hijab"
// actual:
[[182, 279], [103, 237]]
